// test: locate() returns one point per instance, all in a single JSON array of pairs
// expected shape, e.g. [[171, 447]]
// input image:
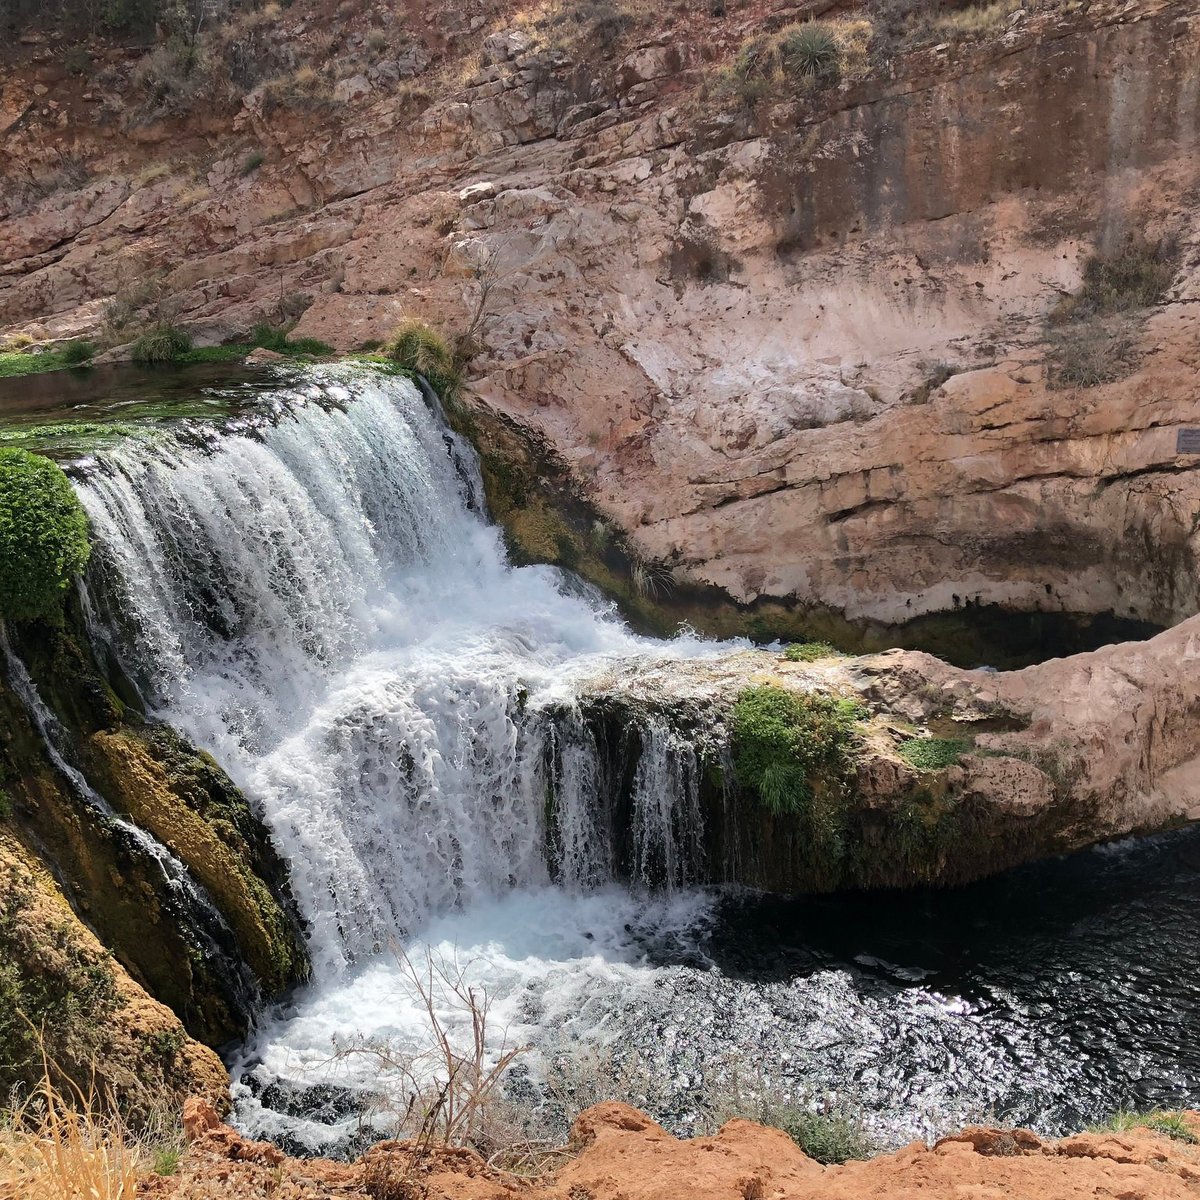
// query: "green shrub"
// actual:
[[77, 61], [43, 536], [76, 353], [830, 1137], [811, 651], [422, 350], [161, 344], [786, 745], [932, 754], [810, 51], [268, 337], [252, 162]]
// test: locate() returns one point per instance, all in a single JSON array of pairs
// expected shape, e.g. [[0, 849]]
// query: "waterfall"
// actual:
[[316, 601]]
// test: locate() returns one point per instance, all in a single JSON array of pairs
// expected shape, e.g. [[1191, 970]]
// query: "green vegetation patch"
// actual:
[[933, 754], [1171, 1124], [811, 651], [787, 746], [797, 60], [43, 536], [422, 350], [14, 363], [827, 1137]]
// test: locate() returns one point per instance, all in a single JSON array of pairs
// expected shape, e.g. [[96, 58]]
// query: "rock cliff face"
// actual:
[[798, 350]]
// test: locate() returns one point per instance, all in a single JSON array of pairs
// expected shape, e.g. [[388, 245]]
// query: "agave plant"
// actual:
[[810, 51]]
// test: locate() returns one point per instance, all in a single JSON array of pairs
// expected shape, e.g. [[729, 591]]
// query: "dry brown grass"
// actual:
[[58, 1146]]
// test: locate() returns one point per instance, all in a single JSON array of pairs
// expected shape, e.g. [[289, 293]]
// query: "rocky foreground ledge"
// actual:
[[617, 1153]]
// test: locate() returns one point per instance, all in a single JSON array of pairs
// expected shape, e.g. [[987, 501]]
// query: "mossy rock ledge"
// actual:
[[149, 774], [895, 770]]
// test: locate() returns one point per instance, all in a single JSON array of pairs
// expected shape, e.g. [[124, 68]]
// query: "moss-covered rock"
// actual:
[[67, 1004], [43, 536], [184, 798], [181, 796]]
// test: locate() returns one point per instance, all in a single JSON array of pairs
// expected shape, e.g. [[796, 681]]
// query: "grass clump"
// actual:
[[166, 1160], [828, 1137], [60, 1145], [161, 344], [933, 754], [43, 536], [1092, 333], [76, 353], [1171, 1124], [974, 21], [423, 351], [792, 748], [811, 651]]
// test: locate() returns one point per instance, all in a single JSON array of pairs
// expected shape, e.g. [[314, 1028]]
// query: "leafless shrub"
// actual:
[[440, 1094]]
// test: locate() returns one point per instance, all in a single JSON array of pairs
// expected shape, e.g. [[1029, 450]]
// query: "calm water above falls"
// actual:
[[320, 605]]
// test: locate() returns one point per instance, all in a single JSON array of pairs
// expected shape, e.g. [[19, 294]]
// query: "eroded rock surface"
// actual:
[[797, 351], [620, 1154]]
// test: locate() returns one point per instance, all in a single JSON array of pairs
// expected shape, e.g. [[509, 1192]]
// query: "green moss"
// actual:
[[933, 754], [55, 992], [810, 651], [43, 536], [184, 798], [790, 745]]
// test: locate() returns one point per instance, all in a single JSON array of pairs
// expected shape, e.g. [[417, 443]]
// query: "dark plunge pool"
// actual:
[[1049, 996]]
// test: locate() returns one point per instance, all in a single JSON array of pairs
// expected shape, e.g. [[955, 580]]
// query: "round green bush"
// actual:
[[43, 536]]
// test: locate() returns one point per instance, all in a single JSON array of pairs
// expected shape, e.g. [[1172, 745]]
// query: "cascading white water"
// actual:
[[315, 601]]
